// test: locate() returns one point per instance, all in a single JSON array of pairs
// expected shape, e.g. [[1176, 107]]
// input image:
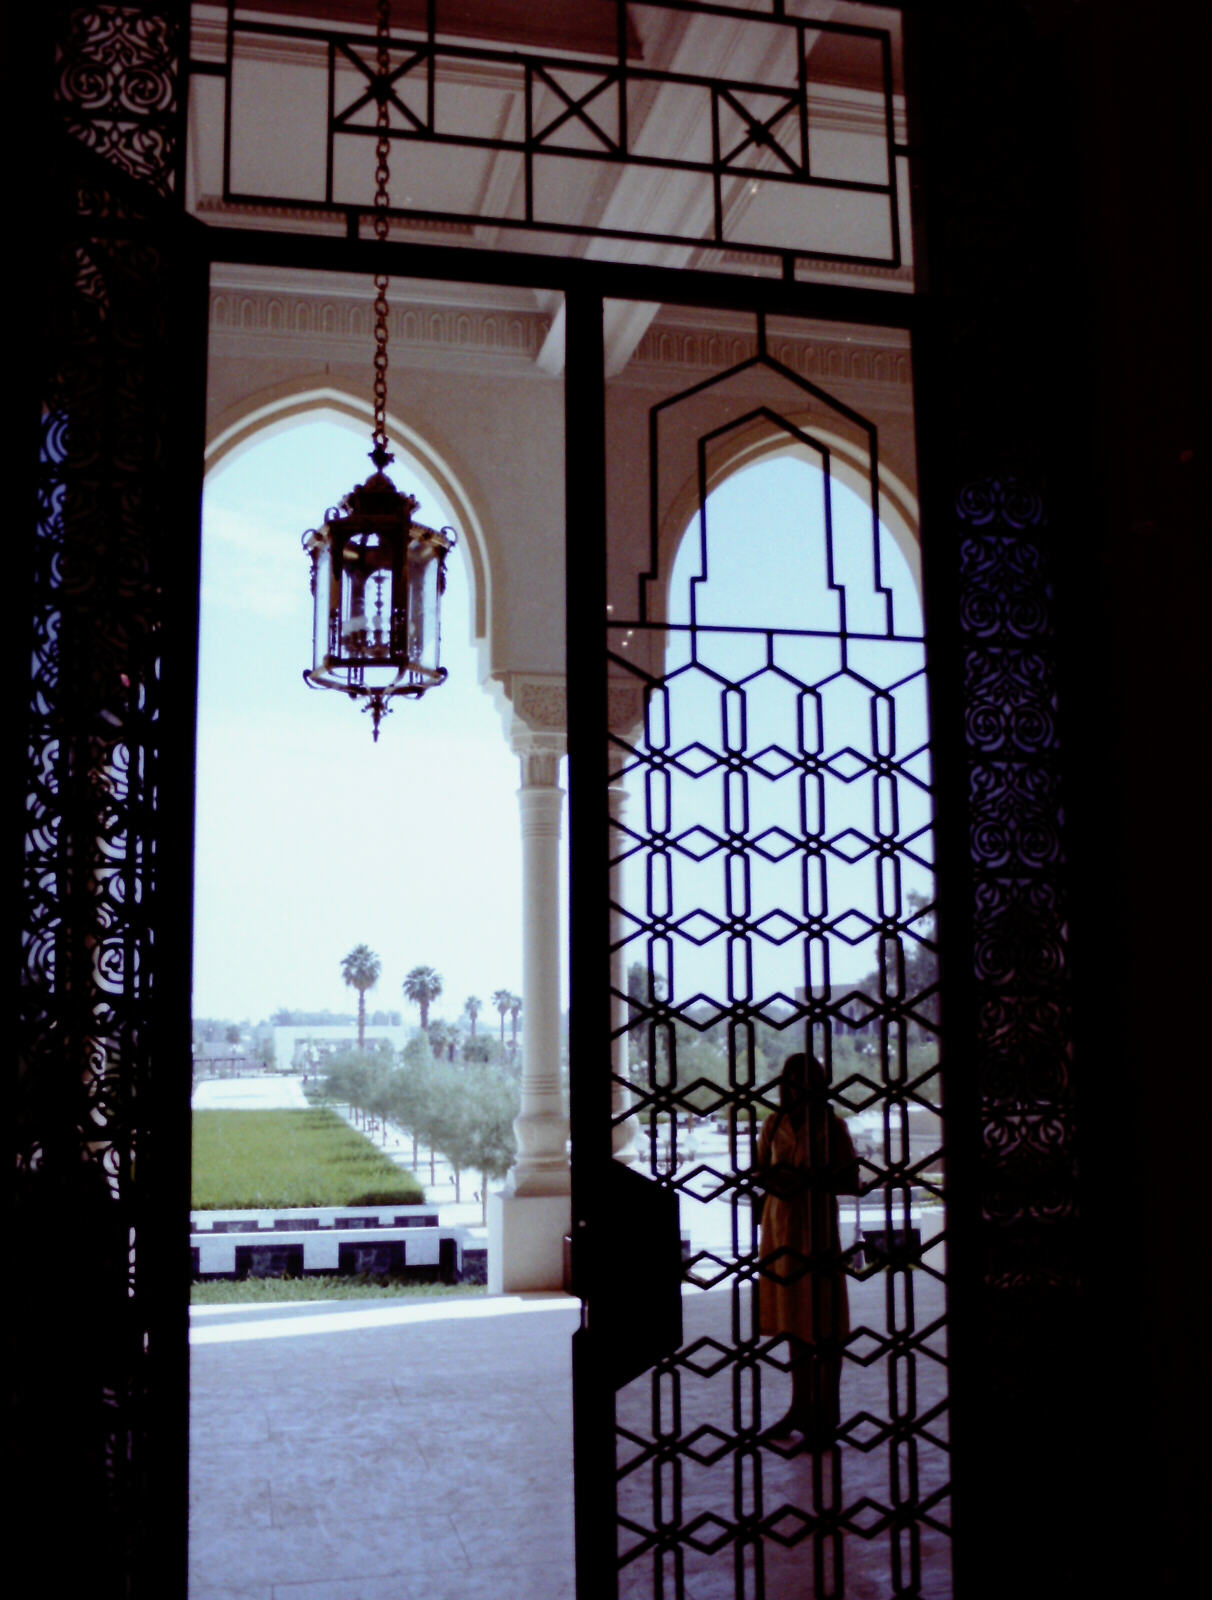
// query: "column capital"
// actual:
[[624, 707], [539, 756], [536, 700], [536, 724]]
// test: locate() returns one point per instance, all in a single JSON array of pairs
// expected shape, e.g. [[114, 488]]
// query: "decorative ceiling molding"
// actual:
[[810, 269], [287, 217], [419, 333], [818, 354], [490, 329]]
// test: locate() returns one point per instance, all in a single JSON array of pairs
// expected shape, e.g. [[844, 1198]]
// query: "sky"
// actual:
[[312, 838]]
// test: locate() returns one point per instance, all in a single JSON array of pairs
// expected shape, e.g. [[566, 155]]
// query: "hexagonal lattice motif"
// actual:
[[851, 845], [708, 1532], [776, 927], [789, 1525], [782, 893], [774, 762], [848, 765], [698, 843], [696, 759], [776, 844], [707, 1444], [698, 927]]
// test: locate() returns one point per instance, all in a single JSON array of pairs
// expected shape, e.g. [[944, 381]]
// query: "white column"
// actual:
[[530, 1215], [541, 1126]]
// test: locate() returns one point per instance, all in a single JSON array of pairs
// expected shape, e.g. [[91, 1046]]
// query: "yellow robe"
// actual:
[[799, 1215]]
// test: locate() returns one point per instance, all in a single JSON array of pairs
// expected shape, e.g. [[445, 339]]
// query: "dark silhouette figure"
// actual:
[[805, 1160]]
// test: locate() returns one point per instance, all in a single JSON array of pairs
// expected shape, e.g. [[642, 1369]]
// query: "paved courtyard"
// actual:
[[387, 1451], [382, 1452], [421, 1450]]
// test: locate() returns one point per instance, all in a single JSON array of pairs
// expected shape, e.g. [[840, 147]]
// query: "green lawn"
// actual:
[[273, 1291], [261, 1159]]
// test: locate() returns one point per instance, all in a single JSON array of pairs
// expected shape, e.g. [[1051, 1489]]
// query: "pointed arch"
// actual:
[[763, 440], [445, 475]]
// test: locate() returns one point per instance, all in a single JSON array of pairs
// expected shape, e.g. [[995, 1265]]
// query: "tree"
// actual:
[[422, 986], [414, 1091], [921, 962], [473, 1125], [515, 1011], [355, 1077], [643, 987], [472, 1006], [232, 1034], [502, 999], [360, 970], [444, 1037]]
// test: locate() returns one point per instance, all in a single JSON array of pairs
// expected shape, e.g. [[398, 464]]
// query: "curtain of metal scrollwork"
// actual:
[[1000, 214], [101, 1104]]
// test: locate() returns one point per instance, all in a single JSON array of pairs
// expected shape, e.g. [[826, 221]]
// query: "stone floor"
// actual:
[[391, 1452], [373, 1453]]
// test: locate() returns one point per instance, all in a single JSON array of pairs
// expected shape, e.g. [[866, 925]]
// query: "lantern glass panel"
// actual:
[[367, 591], [323, 585], [425, 572]]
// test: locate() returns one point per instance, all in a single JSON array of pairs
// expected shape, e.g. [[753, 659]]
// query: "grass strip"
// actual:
[[262, 1160], [361, 1286]]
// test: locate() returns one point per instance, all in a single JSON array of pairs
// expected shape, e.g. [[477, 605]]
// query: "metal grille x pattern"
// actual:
[[719, 126]]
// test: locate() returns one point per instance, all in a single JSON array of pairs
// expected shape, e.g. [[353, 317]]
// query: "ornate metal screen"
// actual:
[[771, 820], [100, 1352]]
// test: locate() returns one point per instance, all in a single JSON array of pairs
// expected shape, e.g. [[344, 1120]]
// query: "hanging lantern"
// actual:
[[377, 576]]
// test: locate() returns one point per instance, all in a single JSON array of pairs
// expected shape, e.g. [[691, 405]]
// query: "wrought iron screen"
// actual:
[[772, 892], [758, 137], [99, 1351]]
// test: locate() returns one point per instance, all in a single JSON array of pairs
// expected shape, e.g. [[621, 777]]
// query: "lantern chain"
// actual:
[[382, 93]]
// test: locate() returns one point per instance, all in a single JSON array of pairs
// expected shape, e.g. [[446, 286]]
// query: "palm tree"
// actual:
[[502, 999], [472, 1006], [422, 985], [360, 969], [444, 1037], [515, 1010]]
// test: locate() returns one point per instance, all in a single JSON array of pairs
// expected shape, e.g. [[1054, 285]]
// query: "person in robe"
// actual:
[[805, 1159]]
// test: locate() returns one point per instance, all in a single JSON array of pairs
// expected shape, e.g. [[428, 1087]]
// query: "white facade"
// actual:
[[292, 1039]]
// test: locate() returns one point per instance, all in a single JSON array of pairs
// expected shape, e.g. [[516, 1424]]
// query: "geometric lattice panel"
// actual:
[[772, 876]]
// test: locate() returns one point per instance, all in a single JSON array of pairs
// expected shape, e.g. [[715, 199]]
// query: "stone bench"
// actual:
[[266, 1245], [310, 1218]]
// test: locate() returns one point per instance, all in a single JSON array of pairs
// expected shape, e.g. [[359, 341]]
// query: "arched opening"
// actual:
[[272, 750], [801, 437], [433, 463], [313, 841]]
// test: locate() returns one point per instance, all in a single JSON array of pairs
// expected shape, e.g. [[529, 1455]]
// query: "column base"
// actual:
[[526, 1241]]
